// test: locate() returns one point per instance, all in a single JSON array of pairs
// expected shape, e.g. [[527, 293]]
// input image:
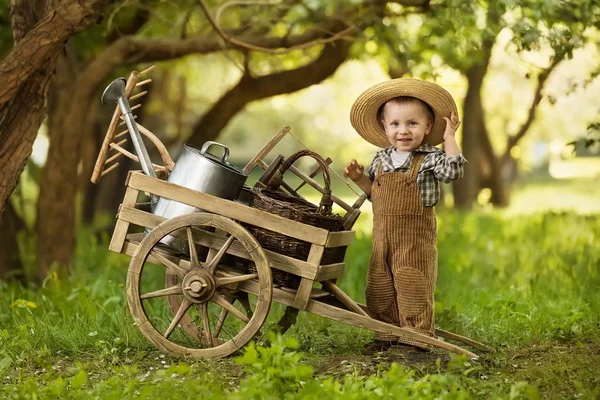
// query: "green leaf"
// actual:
[[79, 379]]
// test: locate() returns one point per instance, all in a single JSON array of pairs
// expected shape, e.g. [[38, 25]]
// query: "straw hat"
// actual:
[[363, 114]]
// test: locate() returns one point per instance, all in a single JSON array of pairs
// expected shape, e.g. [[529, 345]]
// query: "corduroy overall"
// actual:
[[403, 267]]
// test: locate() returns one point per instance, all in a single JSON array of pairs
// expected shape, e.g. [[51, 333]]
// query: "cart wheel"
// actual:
[[205, 292]]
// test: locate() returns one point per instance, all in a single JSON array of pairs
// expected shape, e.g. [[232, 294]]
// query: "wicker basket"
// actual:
[[275, 201]]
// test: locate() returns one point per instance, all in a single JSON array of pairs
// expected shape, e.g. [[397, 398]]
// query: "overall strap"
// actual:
[[379, 169], [416, 164]]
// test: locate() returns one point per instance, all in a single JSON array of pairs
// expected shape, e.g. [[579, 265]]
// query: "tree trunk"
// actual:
[[56, 211], [466, 189], [26, 71], [11, 266]]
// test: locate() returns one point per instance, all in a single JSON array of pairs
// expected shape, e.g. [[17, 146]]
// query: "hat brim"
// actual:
[[363, 114]]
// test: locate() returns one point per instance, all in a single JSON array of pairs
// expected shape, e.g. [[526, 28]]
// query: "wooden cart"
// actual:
[[203, 303]]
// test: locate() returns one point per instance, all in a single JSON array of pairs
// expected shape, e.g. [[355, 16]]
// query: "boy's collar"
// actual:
[[423, 148]]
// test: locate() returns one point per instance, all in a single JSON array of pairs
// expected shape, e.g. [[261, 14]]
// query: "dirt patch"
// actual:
[[369, 364]]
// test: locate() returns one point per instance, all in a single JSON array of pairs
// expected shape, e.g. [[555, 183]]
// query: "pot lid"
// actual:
[[216, 160]]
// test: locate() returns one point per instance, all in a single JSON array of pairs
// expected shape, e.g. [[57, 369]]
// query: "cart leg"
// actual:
[[288, 319]]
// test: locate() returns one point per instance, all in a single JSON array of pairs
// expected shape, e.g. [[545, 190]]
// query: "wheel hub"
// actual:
[[199, 286]]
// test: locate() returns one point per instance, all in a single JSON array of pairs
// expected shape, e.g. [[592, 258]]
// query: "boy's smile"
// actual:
[[405, 124]]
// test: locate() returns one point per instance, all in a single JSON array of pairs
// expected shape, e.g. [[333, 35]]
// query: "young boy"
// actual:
[[408, 117]]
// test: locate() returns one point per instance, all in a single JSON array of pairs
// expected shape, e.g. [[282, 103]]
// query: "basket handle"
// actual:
[[326, 203]]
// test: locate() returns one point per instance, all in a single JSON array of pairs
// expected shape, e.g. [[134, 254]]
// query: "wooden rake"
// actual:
[[114, 141]]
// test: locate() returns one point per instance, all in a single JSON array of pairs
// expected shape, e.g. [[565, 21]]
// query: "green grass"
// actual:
[[527, 286]]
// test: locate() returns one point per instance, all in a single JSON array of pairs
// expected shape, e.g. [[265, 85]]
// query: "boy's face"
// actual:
[[405, 124]]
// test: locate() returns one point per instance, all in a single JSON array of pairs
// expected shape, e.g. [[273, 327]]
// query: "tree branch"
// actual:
[[250, 89], [41, 42], [139, 19], [537, 98], [238, 43]]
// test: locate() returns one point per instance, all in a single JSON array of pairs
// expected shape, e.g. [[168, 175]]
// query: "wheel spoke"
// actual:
[[185, 305], [195, 263], [179, 271], [212, 264], [234, 279], [230, 307], [222, 317], [163, 292], [206, 324]]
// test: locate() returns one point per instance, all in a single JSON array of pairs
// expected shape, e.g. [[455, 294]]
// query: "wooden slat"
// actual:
[[107, 170], [229, 209], [320, 188], [266, 149], [359, 202], [337, 239], [304, 290], [137, 96], [121, 227], [343, 297], [112, 158], [211, 240], [350, 219], [150, 68], [120, 134], [328, 162], [303, 293], [330, 271]]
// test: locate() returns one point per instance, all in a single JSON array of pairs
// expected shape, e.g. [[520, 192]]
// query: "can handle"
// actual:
[[209, 143]]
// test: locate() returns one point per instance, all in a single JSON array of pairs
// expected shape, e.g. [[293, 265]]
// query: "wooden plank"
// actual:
[[350, 219], [343, 297], [130, 247], [350, 318], [304, 290], [359, 202], [211, 240], [303, 293], [139, 217], [229, 209], [338, 239], [330, 271], [266, 149], [121, 227]]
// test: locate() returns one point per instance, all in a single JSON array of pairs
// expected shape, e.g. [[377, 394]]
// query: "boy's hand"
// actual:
[[452, 125], [354, 170]]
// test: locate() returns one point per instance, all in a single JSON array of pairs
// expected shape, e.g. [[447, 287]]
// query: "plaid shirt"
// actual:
[[436, 167]]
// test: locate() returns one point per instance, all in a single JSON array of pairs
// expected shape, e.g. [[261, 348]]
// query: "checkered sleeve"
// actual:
[[448, 168], [372, 170]]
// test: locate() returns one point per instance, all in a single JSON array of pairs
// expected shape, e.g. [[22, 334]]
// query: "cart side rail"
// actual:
[[227, 208], [306, 269]]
